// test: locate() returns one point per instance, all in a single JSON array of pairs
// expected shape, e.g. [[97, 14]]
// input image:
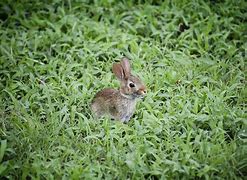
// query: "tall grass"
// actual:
[[55, 55]]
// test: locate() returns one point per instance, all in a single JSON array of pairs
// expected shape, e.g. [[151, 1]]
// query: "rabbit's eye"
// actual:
[[131, 85]]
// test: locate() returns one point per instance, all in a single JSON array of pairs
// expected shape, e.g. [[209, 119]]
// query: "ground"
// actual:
[[54, 56]]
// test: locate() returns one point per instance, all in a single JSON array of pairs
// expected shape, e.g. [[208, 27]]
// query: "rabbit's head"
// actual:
[[131, 86]]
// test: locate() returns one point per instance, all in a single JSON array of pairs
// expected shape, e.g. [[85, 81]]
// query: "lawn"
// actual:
[[55, 55]]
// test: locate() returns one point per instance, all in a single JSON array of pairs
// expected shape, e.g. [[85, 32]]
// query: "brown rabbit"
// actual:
[[119, 104]]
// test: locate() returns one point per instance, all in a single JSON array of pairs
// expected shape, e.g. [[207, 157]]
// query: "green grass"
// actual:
[[55, 56]]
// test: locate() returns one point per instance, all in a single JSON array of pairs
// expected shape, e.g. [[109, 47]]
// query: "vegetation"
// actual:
[[55, 55]]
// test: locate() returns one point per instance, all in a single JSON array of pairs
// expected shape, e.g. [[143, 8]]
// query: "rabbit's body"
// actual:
[[111, 102], [119, 104]]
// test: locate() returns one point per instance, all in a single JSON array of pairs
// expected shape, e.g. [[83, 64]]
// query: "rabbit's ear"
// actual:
[[126, 67], [118, 71]]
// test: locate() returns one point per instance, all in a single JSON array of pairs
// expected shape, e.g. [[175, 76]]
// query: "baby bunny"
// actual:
[[119, 104]]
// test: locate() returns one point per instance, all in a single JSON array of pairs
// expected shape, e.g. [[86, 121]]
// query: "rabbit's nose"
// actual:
[[142, 92]]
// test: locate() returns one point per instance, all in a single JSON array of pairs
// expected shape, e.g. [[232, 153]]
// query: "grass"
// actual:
[[54, 56]]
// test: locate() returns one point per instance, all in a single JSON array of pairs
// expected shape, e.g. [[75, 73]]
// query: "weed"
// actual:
[[55, 56]]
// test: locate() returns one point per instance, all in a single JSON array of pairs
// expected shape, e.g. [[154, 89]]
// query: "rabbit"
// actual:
[[119, 104]]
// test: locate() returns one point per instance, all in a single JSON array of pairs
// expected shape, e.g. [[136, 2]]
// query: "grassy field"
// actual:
[[54, 56]]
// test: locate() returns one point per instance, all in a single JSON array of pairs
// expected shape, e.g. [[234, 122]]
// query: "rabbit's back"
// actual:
[[101, 100]]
